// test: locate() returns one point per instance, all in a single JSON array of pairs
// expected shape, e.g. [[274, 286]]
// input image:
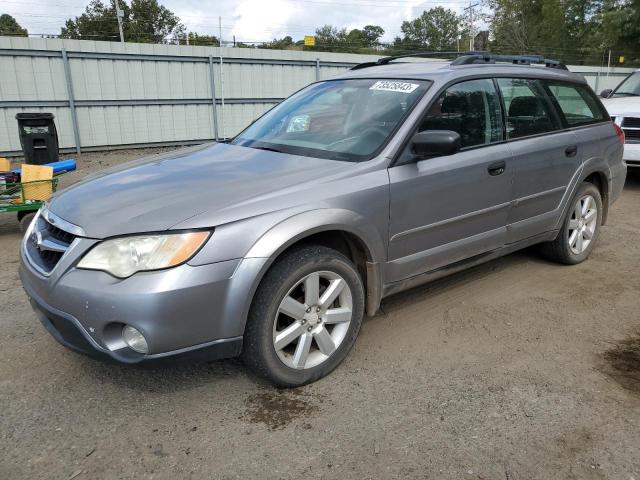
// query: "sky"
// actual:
[[248, 20]]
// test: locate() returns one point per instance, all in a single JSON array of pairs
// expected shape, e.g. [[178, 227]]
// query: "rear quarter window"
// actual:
[[577, 104]]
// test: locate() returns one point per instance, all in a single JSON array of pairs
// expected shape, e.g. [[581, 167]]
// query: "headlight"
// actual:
[[122, 257]]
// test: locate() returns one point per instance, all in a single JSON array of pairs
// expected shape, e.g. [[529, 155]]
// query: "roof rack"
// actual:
[[386, 60], [469, 58]]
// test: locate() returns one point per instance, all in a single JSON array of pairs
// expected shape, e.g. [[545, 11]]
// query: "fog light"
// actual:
[[134, 339]]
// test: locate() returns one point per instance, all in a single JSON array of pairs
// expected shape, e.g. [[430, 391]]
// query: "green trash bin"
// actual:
[[38, 137]]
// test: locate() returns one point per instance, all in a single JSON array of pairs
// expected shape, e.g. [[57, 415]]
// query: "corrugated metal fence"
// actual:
[[111, 95]]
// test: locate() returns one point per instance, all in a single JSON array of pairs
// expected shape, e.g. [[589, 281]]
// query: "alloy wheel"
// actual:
[[582, 224], [312, 320]]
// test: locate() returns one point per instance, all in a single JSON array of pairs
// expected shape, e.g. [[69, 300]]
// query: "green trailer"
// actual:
[[25, 198]]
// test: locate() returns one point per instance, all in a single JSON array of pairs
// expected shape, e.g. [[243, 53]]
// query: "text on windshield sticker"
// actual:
[[389, 86]]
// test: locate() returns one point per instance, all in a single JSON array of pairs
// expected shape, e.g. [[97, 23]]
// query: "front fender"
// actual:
[[275, 240], [266, 236], [302, 225]]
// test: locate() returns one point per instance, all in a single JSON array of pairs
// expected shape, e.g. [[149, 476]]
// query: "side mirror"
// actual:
[[606, 93], [435, 143]]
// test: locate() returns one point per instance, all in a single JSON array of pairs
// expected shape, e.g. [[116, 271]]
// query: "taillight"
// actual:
[[619, 133]]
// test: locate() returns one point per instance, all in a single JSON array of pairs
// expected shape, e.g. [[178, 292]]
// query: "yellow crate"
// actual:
[[36, 182]]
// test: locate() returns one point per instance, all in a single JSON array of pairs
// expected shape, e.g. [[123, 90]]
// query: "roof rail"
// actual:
[[468, 58], [386, 60]]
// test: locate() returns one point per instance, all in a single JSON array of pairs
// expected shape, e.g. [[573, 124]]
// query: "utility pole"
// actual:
[[221, 77], [471, 29], [120, 15]]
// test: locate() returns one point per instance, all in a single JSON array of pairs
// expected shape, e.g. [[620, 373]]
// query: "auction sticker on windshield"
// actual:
[[388, 86]]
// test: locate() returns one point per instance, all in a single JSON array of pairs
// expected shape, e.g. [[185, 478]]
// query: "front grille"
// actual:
[[47, 244], [631, 136], [50, 259], [59, 234], [631, 128], [633, 122]]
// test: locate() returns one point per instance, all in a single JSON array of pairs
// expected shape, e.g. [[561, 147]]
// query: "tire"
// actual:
[[275, 342], [25, 220], [573, 250]]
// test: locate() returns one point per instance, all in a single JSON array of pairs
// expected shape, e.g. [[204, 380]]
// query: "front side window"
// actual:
[[577, 104], [527, 107], [630, 87], [338, 119], [471, 108]]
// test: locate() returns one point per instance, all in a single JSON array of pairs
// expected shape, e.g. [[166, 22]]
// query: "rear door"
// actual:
[[583, 113], [449, 208], [545, 156]]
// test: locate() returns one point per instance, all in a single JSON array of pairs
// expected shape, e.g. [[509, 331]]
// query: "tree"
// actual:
[[355, 39], [371, 35], [284, 43], [517, 25], [619, 26], [330, 38], [9, 26], [196, 39], [98, 22], [153, 21], [437, 29], [144, 21], [576, 31]]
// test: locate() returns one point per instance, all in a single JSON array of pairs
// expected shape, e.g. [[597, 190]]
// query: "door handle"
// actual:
[[497, 168], [571, 151]]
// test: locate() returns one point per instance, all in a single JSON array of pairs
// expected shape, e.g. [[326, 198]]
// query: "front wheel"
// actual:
[[305, 316], [580, 228]]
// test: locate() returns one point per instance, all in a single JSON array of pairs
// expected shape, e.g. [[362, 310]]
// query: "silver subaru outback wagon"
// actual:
[[274, 245]]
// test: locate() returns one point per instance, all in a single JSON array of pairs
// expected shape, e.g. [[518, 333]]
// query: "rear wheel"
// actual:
[[580, 229], [305, 316]]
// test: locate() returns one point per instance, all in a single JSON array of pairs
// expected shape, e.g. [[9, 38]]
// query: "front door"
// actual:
[[449, 208]]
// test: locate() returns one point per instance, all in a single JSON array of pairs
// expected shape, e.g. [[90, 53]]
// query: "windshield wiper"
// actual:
[[630, 94], [269, 149]]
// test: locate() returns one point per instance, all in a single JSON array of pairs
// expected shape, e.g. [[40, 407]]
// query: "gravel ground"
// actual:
[[517, 369]]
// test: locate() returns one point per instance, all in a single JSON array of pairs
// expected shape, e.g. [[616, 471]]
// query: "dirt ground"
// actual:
[[518, 369]]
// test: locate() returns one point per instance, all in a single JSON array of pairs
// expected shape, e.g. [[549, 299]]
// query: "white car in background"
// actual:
[[623, 104]]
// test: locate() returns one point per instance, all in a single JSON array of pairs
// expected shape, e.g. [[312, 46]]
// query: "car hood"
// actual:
[[156, 193], [626, 106]]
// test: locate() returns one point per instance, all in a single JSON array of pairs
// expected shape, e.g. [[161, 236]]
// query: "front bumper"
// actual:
[[68, 332], [187, 311], [631, 155]]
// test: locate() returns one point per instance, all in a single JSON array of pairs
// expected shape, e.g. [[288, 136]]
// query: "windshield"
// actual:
[[337, 119], [630, 86]]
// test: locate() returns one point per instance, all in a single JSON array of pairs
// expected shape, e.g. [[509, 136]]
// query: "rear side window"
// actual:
[[528, 109], [471, 108], [577, 104]]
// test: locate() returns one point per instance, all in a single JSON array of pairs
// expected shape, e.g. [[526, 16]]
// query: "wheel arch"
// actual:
[[601, 182], [342, 230]]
